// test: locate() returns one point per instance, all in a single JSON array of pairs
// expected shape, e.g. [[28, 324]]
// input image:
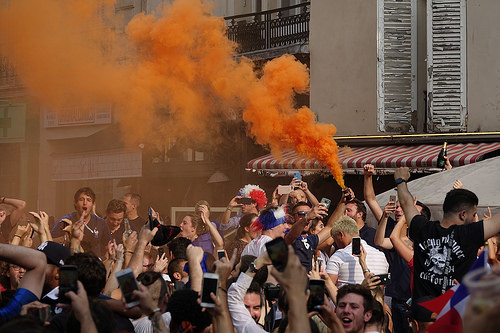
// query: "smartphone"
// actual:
[[326, 201], [68, 276], [209, 285], [392, 198], [316, 294], [297, 176], [356, 246], [221, 254], [285, 189], [179, 285], [152, 221], [244, 201], [127, 283], [44, 314], [161, 251], [385, 279], [278, 253], [319, 263]]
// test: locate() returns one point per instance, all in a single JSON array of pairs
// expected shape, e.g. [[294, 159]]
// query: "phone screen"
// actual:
[[244, 201], [327, 202], [221, 254], [356, 245], [297, 176], [68, 276], [278, 253], [392, 198], [209, 286], [317, 294], [128, 284]]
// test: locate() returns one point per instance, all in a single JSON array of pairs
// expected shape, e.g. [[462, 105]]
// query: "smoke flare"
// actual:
[[173, 73]]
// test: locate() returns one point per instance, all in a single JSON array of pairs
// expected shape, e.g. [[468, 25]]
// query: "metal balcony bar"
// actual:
[[270, 29]]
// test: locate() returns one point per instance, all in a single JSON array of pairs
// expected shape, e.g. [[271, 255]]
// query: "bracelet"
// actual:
[[131, 252], [224, 290], [17, 236], [157, 310], [229, 208], [366, 270], [3, 199]]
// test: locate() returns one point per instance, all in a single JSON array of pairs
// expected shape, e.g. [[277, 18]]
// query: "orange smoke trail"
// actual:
[[176, 74], [275, 122]]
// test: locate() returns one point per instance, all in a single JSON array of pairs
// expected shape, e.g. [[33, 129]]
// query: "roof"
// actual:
[[419, 158]]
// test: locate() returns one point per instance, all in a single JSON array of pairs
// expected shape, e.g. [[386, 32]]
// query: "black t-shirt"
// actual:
[[442, 254], [399, 288], [304, 248], [137, 223], [368, 235]]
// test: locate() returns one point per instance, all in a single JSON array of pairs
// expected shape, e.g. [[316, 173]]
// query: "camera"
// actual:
[[271, 291]]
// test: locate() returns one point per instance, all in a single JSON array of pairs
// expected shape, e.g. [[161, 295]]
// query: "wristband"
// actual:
[[131, 252], [366, 270], [400, 180], [224, 290], [17, 236]]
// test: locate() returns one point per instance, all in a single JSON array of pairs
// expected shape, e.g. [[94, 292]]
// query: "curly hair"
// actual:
[[91, 272]]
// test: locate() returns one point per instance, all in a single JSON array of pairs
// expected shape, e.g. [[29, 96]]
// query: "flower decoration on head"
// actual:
[[255, 193], [269, 219]]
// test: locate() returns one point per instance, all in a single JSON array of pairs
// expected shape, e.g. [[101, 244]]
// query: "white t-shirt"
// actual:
[[348, 269], [257, 246]]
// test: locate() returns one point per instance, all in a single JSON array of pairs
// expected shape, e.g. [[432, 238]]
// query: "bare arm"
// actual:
[[223, 322], [380, 239], [310, 196], [369, 193], [403, 250], [324, 234], [112, 283], [492, 226], [19, 206], [145, 236], [195, 256], [32, 260], [229, 208], [405, 198], [214, 234]]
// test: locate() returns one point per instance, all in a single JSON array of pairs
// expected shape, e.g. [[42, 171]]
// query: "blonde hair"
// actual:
[[347, 225]]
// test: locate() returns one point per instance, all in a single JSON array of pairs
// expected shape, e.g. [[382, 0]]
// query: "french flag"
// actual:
[[452, 304]]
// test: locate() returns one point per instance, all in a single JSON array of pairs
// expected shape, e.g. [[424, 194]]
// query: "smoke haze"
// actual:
[[173, 74]]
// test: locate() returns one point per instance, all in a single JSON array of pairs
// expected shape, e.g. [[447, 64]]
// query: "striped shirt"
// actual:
[[348, 269]]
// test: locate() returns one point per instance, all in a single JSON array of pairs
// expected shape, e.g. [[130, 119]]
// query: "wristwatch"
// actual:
[[400, 180], [252, 268]]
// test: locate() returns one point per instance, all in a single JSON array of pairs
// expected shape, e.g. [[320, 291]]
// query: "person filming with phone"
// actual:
[[344, 261]]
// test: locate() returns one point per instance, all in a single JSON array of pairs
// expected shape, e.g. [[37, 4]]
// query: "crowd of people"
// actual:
[[296, 264]]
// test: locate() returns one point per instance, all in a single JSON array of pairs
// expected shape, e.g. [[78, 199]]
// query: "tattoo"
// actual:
[[158, 324]]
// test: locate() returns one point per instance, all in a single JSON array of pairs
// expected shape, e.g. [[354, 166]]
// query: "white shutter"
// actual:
[[446, 67], [396, 64]]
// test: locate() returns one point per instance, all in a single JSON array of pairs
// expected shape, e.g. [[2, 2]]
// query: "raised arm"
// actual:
[[403, 250], [214, 233], [492, 226], [405, 198], [380, 239], [145, 236], [227, 214], [324, 234], [19, 206], [310, 196], [32, 260], [369, 171], [195, 256]]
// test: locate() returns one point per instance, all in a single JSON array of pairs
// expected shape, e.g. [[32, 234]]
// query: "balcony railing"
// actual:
[[270, 29]]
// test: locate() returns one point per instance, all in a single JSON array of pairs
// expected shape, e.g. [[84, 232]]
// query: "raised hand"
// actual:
[[369, 169]]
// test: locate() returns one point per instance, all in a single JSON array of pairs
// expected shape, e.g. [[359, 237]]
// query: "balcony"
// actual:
[[278, 31]]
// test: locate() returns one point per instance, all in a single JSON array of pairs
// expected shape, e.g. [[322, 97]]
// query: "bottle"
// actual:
[[441, 160], [128, 230]]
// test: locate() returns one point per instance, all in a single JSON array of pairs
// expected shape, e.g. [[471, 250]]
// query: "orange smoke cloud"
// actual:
[[170, 75]]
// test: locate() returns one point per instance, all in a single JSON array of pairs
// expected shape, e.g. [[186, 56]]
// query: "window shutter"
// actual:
[[446, 67], [396, 64]]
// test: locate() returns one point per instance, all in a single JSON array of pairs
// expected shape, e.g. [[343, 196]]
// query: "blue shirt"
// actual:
[[21, 297], [96, 234]]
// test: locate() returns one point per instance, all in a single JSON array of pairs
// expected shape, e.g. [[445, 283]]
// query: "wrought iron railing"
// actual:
[[271, 28]]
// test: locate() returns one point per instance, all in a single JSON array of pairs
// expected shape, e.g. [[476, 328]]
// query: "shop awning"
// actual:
[[421, 158]]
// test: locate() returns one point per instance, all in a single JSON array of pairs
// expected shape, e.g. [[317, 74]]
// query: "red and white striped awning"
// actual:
[[420, 158]]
